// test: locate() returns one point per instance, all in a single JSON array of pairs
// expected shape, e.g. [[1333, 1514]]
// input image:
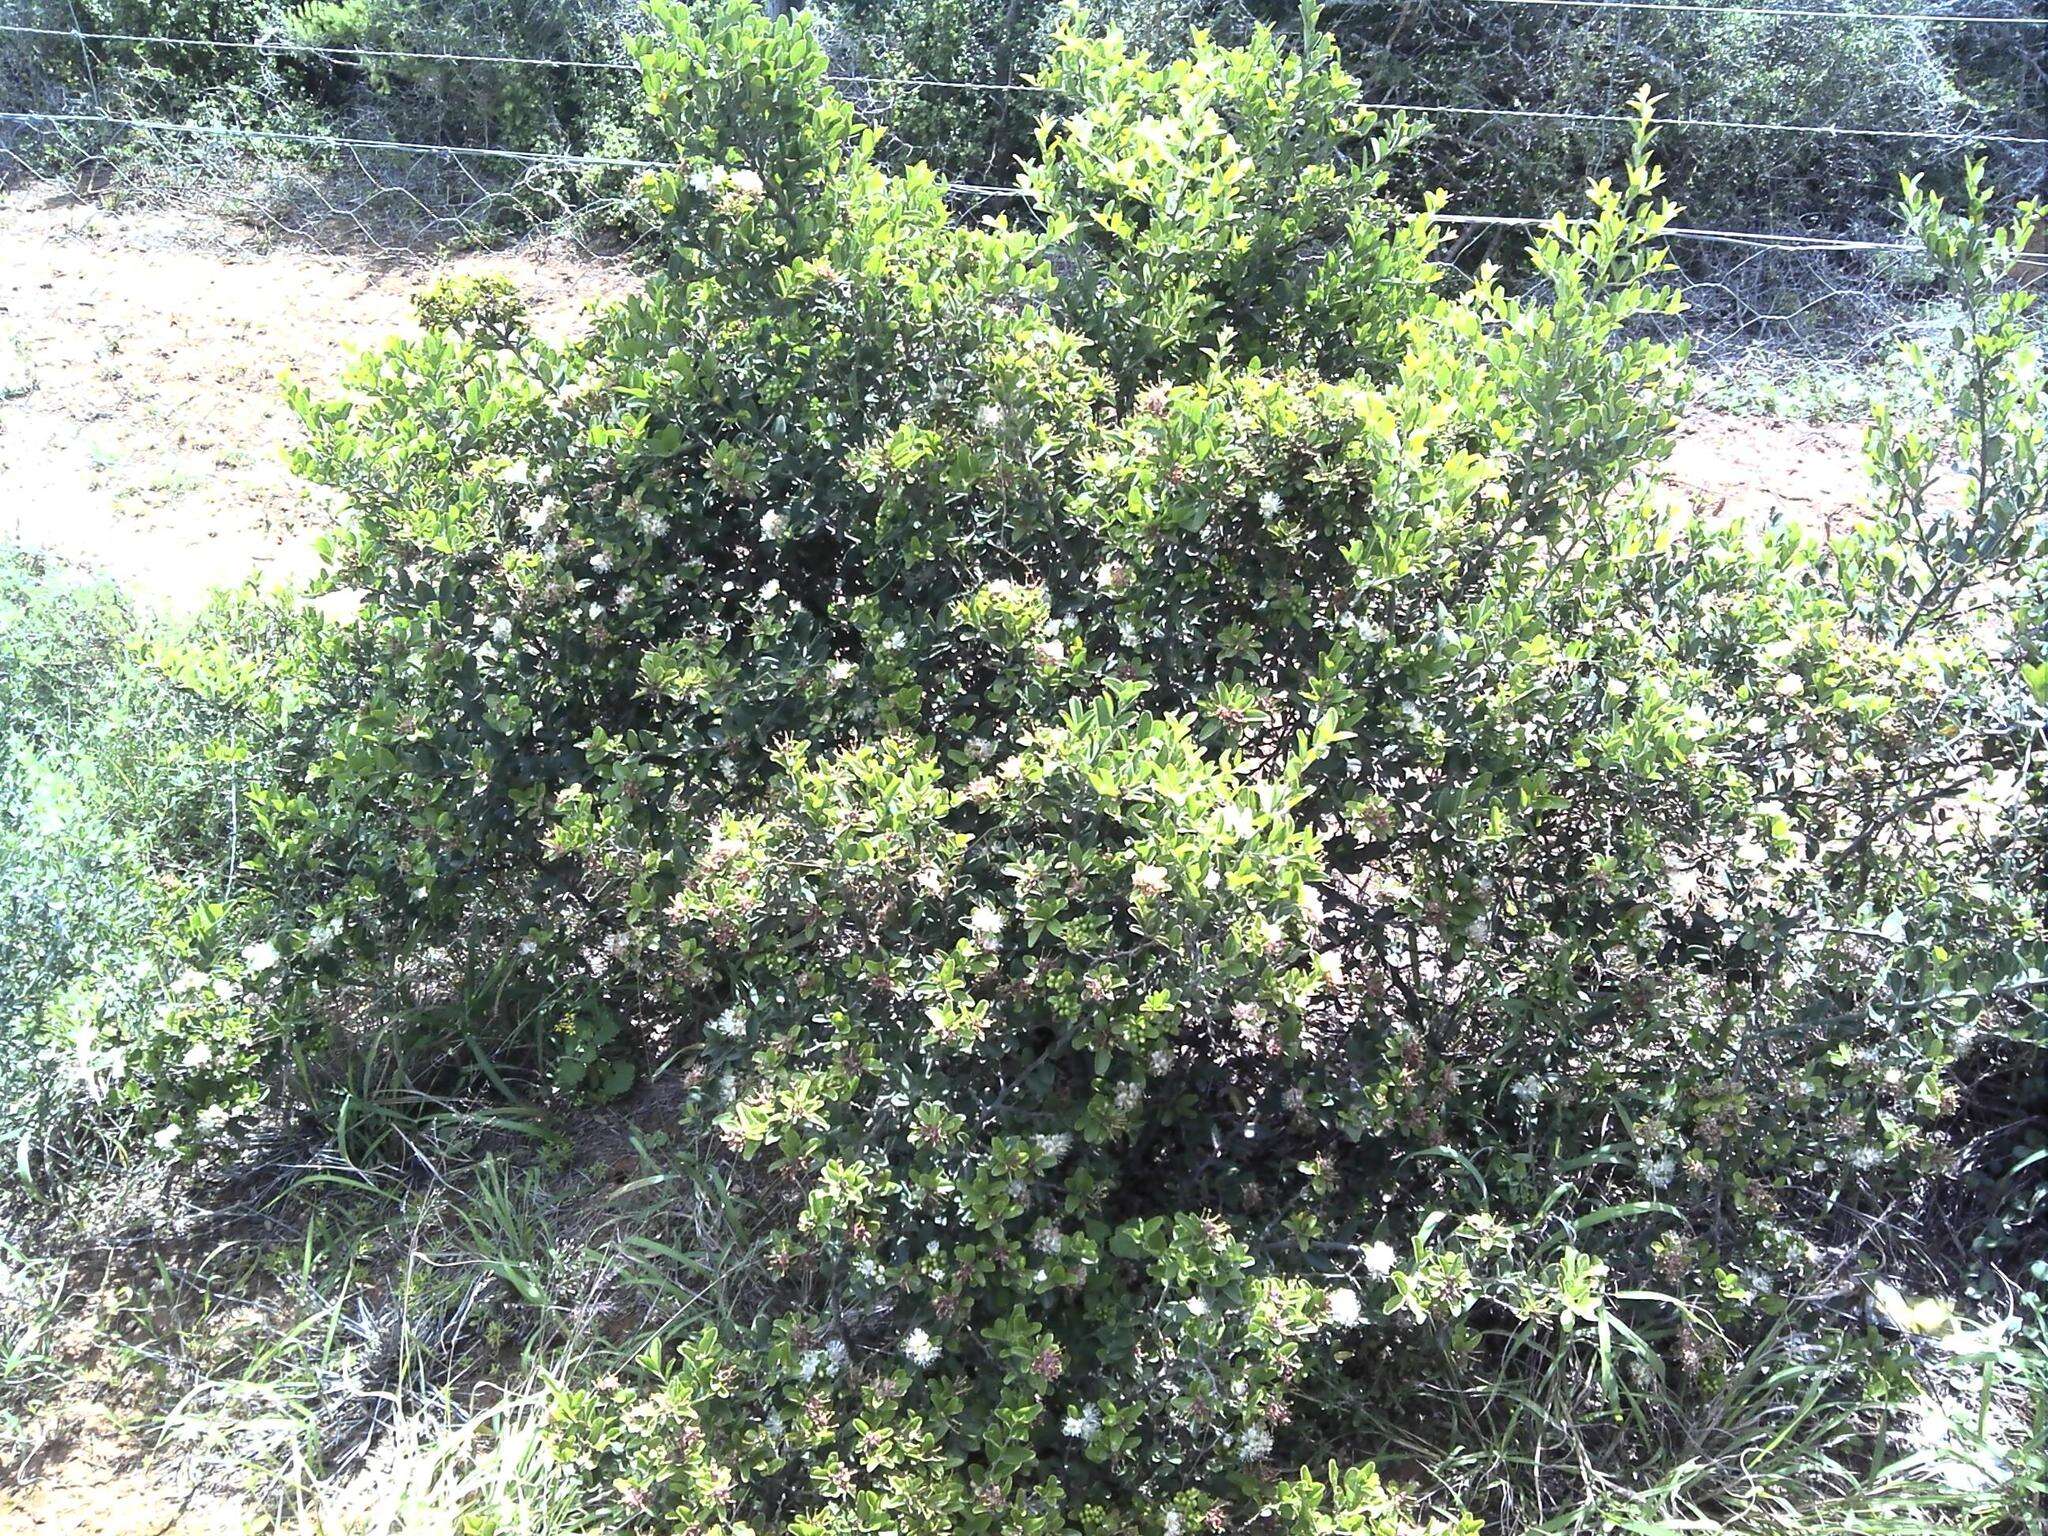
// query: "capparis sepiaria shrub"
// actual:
[[1240, 894]]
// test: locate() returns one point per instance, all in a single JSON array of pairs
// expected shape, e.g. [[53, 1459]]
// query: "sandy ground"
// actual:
[[142, 429], [1762, 467], [98, 1480]]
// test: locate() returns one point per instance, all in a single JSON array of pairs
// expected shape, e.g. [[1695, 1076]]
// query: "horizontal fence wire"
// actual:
[[288, 46], [1702, 8], [1761, 239], [339, 141], [1733, 125], [1766, 240], [1736, 125]]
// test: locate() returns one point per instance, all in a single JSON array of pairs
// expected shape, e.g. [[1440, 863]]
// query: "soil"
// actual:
[[142, 426], [96, 1479], [80, 1467], [1760, 468]]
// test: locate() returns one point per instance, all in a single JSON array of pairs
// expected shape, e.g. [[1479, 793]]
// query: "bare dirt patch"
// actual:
[[97, 1480], [1759, 468], [142, 429]]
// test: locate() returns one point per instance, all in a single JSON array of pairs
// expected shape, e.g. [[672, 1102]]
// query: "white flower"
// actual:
[[1344, 1309], [1128, 1096], [745, 182], [731, 1023], [841, 672], [188, 980], [1866, 1158], [1049, 653], [990, 417], [773, 525], [166, 1138], [1054, 1145], [1269, 504], [918, 1347], [213, 1119], [260, 956], [1658, 1171], [1148, 881], [1083, 1425], [1112, 576], [501, 630], [1255, 1444], [199, 1055], [601, 562], [1198, 1306], [986, 924], [700, 181], [1528, 1089], [1378, 1259], [1173, 1524]]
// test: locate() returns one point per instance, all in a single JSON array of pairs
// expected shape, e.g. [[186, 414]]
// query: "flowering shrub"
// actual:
[[1210, 851]]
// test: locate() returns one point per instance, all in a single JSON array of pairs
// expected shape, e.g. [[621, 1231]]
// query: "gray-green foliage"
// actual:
[[132, 774], [1555, 67], [1741, 68], [65, 929]]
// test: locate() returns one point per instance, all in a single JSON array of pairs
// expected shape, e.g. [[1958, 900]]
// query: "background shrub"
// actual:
[[135, 955], [933, 74]]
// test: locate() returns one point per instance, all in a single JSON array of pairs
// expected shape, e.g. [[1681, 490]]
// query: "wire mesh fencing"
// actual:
[[1784, 128]]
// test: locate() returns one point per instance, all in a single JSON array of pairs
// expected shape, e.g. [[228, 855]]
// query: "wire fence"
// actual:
[[926, 82], [396, 192], [1785, 12]]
